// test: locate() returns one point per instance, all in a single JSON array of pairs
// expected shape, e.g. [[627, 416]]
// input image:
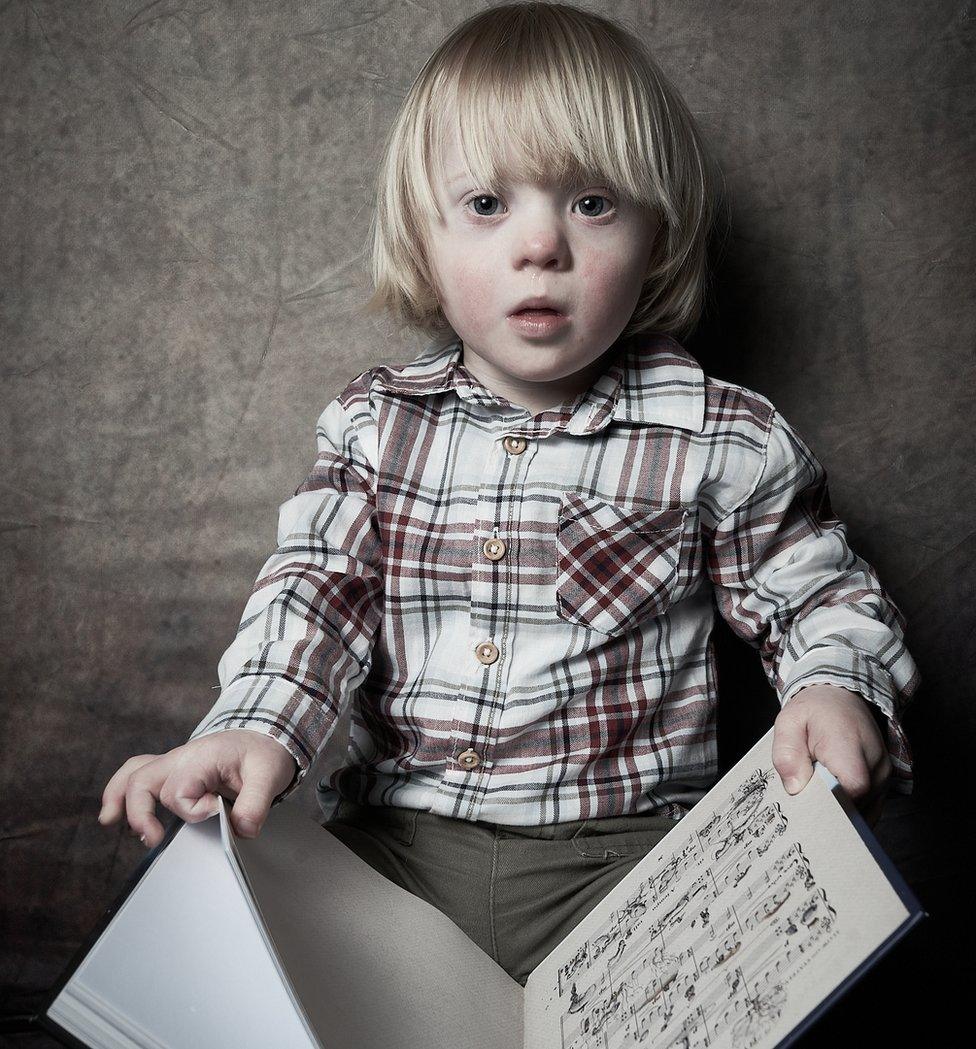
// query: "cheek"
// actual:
[[469, 290], [599, 274], [469, 284], [457, 270], [606, 280]]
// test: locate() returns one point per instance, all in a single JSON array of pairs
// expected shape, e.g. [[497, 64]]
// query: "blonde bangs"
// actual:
[[545, 92]]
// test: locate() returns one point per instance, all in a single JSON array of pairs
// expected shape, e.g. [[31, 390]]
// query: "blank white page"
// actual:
[[182, 963]]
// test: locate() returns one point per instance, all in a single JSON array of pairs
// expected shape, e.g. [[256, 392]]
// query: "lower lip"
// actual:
[[538, 322]]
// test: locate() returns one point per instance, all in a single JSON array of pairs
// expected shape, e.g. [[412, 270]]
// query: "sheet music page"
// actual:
[[746, 916]]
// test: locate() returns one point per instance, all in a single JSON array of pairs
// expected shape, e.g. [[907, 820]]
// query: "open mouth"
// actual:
[[538, 321]]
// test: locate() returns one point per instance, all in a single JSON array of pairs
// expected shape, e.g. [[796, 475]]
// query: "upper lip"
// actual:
[[538, 302]]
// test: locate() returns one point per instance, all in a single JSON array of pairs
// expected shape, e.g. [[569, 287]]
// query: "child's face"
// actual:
[[577, 245]]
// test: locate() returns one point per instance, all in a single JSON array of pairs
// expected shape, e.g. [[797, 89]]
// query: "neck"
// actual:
[[535, 397]]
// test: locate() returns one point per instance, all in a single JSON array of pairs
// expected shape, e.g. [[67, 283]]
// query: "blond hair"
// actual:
[[578, 97]]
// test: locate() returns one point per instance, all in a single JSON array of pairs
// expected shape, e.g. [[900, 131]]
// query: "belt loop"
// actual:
[[406, 834]]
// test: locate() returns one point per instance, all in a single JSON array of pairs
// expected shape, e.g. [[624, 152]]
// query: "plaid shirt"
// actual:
[[519, 608]]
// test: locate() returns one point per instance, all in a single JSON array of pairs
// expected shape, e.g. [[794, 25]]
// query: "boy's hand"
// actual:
[[237, 763], [835, 727]]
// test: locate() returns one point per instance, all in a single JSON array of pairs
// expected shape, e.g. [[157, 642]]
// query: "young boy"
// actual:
[[506, 559]]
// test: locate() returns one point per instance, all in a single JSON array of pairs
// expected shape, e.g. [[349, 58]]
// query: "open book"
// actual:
[[743, 924]]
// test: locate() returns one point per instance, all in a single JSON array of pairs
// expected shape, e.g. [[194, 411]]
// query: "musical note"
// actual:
[[702, 949]]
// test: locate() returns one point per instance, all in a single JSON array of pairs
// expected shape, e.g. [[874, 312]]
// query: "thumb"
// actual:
[[253, 802], [791, 755]]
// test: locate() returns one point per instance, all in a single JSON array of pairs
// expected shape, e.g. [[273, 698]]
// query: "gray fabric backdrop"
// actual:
[[186, 192]]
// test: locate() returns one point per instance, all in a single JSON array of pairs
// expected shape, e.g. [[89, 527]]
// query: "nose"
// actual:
[[541, 241]]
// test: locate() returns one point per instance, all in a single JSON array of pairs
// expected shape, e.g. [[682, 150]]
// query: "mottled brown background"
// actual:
[[186, 192]]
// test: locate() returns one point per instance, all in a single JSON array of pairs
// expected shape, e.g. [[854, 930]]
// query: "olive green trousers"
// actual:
[[515, 891]]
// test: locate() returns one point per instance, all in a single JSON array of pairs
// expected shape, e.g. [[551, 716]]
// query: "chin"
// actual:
[[540, 374], [540, 354]]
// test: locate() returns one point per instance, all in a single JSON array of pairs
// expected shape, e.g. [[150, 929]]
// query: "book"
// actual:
[[739, 928]]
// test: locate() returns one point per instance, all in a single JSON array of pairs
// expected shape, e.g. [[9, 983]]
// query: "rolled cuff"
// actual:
[[269, 707]]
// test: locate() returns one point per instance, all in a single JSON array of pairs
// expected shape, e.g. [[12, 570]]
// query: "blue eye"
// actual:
[[478, 198], [594, 196]]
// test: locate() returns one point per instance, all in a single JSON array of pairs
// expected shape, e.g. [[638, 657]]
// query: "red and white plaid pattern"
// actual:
[[518, 610]]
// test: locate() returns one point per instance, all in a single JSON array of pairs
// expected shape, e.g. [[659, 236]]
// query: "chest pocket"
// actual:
[[618, 565]]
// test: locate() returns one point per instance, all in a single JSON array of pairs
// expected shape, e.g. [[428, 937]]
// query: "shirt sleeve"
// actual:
[[787, 582], [306, 636]]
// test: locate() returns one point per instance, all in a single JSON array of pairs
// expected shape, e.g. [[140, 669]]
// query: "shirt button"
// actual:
[[494, 549], [487, 652], [514, 445], [469, 759]]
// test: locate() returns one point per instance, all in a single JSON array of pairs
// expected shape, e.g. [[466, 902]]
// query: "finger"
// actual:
[[872, 804], [140, 805], [845, 759], [873, 744], [791, 757], [253, 802], [881, 770], [113, 797], [203, 808], [191, 793]]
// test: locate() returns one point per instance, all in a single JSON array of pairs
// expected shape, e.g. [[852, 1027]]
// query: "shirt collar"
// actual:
[[649, 380]]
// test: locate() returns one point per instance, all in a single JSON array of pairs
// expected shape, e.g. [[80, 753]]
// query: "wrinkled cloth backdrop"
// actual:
[[186, 193]]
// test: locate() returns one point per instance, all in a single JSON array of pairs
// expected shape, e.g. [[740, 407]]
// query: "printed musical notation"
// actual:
[[704, 950]]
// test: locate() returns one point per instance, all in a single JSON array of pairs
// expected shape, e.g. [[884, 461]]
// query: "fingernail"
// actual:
[[792, 785], [248, 827]]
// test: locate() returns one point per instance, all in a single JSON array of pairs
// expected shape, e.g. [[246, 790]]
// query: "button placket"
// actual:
[[497, 505]]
